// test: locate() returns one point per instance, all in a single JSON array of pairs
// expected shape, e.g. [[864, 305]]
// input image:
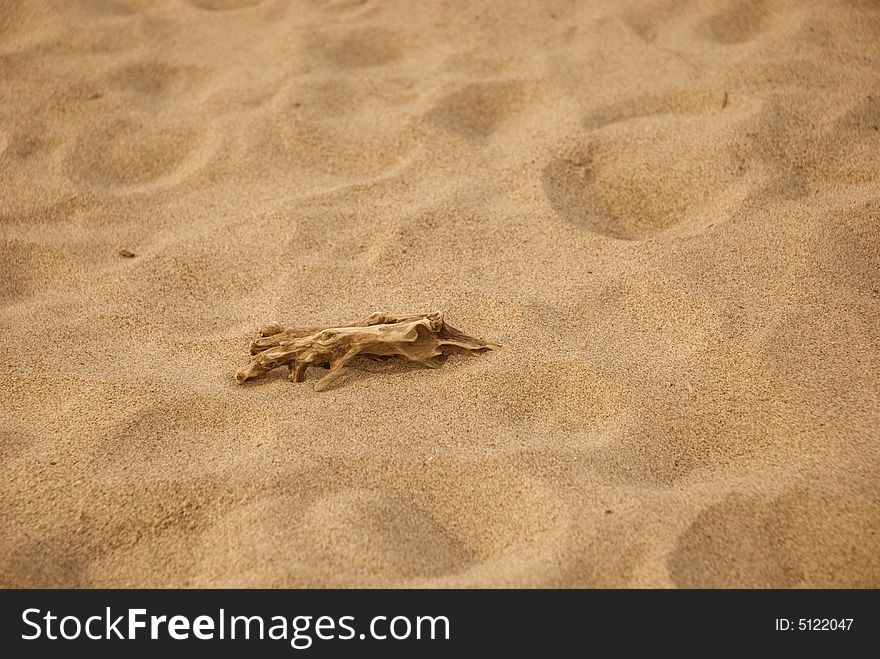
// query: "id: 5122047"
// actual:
[[814, 624]]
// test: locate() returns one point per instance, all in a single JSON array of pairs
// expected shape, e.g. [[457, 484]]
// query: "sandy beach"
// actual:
[[666, 212]]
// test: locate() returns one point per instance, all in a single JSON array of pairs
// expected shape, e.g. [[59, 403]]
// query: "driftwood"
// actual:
[[422, 338]]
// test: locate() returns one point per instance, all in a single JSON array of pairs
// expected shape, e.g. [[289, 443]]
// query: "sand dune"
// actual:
[[666, 211]]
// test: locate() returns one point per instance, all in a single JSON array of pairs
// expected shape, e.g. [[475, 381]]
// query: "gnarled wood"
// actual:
[[422, 338]]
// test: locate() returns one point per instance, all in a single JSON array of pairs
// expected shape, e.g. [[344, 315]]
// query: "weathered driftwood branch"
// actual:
[[422, 338]]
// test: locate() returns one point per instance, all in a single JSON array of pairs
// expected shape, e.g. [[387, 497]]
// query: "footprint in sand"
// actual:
[[647, 18], [156, 81], [373, 532], [332, 129], [149, 146], [478, 109], [136, 154], [735, 543], [374, 523], [649, 165], [801, 536], [358, 48], [43, 563], [737, 22]]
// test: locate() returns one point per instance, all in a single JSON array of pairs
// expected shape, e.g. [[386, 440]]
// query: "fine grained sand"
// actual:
[[667, 212]]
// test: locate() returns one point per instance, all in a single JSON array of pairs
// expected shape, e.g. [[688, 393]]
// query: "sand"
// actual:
[[666, 212]]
